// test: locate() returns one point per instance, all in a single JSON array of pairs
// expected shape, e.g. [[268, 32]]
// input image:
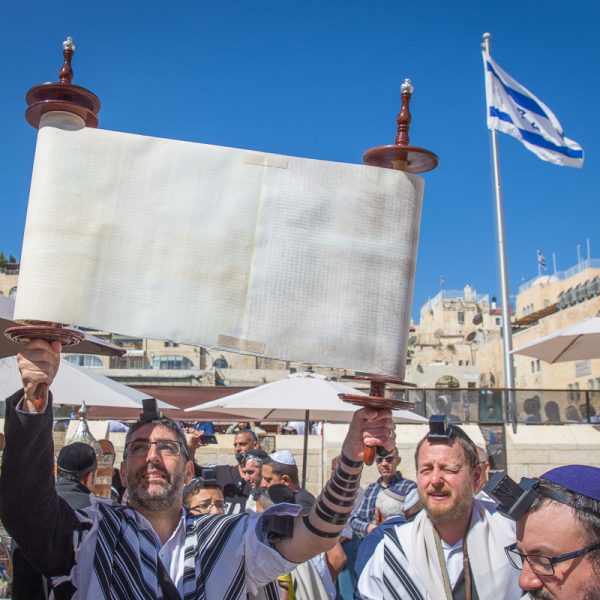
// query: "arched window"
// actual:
[[13, 293], [84, 360], [447, 382]]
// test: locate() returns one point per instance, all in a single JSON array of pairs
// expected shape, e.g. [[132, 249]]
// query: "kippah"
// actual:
[[579, 479], [285, 457], [76, 458]]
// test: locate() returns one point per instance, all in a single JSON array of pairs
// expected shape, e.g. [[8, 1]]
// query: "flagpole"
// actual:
[[506, 324]]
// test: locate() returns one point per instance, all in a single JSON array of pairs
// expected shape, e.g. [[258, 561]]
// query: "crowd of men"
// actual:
[[186, 530]]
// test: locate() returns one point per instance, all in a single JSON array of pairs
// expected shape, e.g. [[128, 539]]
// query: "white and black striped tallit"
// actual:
[[398, 583], [125, 561]]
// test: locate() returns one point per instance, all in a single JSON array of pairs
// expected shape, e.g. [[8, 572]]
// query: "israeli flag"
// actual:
[[513, 109]]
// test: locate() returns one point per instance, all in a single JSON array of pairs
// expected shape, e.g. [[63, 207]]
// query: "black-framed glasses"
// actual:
[[206, 506], [543, 565], [165, 447]]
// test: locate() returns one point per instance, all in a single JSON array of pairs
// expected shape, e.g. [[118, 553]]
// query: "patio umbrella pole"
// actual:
[[305, 450]]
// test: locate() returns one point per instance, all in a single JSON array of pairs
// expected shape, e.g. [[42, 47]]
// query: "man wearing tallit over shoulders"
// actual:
[[454, 549], [152, 548]]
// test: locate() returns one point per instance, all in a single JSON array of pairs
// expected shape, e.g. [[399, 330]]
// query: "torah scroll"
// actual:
[[283, 257]]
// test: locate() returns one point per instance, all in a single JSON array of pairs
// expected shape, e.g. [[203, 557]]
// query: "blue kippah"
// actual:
[[580, 479]]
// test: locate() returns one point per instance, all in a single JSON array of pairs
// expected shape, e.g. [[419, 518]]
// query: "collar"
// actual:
[[395, 479]]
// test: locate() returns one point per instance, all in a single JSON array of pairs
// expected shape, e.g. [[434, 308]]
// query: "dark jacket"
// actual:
[[30, 509]]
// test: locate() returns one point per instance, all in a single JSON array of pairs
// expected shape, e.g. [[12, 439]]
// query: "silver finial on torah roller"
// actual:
[[406, 87], [69, 44]]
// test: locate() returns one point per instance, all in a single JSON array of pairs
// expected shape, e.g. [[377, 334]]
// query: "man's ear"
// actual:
[[189, 472], [123, 474], [89, 480], [477, 478], [285, 479]]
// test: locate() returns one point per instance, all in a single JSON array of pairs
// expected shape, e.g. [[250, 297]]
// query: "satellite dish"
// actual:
[[478, 319], [471, 336]]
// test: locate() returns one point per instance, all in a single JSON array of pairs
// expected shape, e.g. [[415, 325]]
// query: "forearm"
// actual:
[[359, 526], [320, 529], [29, 507]]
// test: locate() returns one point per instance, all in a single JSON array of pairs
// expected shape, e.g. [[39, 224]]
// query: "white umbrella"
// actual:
[[576, 342], [299, 397], [72, 385], [289, 399]]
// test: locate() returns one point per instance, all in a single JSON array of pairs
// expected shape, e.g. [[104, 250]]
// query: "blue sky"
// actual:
[[321, 80]]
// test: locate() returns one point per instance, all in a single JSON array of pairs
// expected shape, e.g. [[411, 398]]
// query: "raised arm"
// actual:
[[39, 521], [319, 530]]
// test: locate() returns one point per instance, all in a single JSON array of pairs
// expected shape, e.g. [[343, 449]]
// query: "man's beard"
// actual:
[[449, 513], [590, 593], [157, 500]]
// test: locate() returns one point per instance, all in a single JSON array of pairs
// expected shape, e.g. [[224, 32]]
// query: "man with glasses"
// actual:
[[230, 477], [363, 520], [203, 497], [453, 549], [151, 548], [558, 538]]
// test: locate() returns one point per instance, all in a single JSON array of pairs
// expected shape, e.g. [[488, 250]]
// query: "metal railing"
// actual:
[[588, 263], [490, 405]]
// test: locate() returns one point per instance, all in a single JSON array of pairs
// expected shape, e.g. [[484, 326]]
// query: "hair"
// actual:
[[465, 442], [77, 477], [389, 506], [251, 433], [260, 457], [532, 405], [552, 411], [571, 413], [165, 422], [195, 486], [586, 511], [279, 493], [280, 470]]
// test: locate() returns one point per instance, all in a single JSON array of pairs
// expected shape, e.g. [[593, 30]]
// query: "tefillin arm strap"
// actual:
[[339, 493]]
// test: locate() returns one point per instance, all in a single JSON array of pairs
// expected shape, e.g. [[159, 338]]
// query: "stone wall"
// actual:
[[535, 449], [531, 451]]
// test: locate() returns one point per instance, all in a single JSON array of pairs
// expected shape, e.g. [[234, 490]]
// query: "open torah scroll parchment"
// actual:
[[291, 258]]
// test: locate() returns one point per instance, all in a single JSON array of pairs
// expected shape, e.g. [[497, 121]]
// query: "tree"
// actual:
[[12, 260], [2, 260]]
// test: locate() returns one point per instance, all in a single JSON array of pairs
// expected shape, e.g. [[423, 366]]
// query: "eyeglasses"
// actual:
[[543, 565], [389, 459], [207, 506], [165, 447]]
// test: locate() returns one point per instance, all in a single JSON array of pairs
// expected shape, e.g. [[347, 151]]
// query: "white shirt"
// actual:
[[454, 560]]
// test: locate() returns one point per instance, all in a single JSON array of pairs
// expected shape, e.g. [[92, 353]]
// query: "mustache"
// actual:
[[151, 467]]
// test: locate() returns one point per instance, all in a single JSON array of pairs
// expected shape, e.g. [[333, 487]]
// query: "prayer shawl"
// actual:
[[308, 583], [410, 568], [125, 560]]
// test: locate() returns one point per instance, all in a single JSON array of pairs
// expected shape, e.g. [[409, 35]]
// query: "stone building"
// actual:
[[443, 346], [544, 305]]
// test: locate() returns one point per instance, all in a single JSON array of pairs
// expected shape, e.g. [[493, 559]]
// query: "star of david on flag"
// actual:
[[513, 109]]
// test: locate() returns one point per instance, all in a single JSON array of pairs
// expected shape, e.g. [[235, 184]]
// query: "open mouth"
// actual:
[[438, 496]]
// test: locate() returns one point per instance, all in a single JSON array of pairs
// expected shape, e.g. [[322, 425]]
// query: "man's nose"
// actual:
[[528, 580], [437, 477], [153, 455]]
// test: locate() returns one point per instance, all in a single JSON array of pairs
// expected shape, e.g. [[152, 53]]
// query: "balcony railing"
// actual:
[[489, 406]]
